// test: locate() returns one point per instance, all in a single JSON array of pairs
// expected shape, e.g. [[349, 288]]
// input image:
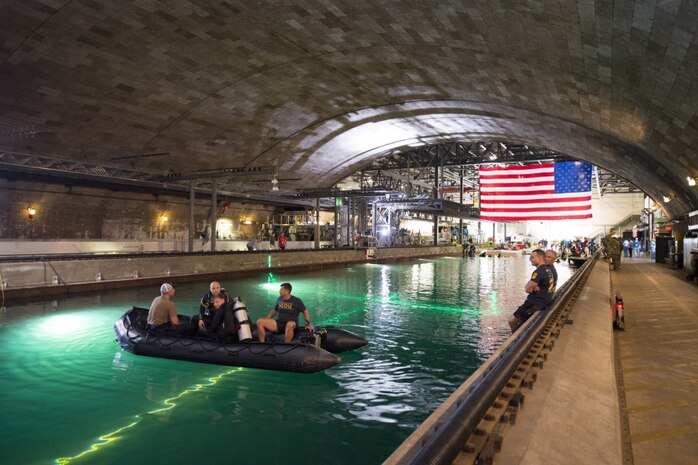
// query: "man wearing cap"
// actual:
[[162, 315]]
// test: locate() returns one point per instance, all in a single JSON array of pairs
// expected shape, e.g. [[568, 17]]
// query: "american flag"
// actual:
[[547, 191]]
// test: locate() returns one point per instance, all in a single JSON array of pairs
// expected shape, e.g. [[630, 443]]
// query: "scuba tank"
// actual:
[[240, 313]]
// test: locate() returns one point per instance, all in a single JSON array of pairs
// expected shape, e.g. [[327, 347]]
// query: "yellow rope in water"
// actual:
[[168, 404]]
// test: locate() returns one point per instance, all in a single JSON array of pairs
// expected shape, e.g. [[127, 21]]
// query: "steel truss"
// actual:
[[175, 182]]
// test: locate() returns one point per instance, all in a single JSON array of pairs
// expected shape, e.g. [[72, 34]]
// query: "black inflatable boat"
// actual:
[[305, 354]]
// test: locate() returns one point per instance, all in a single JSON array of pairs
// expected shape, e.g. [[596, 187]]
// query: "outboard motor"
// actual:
[[243, 320], [316, 337]]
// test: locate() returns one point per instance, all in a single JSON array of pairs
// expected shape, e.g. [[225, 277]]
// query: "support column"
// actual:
[[317, 223], [192, 197], [336, 222], [214, 213], [461, 240], [436, 229]]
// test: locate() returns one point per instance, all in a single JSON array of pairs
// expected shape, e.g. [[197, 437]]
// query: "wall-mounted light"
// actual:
[[31, 212], [691, 180], [275, 184], [164, 218]]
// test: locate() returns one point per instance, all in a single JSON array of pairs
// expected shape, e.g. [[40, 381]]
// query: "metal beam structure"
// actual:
[[174, 183], [414, 172]]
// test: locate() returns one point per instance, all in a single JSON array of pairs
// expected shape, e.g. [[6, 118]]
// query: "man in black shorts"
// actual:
[[540, 289], [288, 308]]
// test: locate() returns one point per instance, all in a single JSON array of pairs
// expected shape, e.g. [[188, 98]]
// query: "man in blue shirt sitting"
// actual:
[[288, 308], [540, 289]]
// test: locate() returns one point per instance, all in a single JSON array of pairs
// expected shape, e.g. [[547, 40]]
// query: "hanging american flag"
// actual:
[[547, 191]]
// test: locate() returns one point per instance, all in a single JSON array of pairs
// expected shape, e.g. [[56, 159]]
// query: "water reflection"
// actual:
[[430, 324]]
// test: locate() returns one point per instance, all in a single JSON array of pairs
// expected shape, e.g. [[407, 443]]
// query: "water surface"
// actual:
[[71, 395]]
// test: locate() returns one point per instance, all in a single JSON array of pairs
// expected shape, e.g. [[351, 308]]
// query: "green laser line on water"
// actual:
[[169, 404]]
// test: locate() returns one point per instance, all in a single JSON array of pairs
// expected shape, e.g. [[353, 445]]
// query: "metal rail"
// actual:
[[454, 430]]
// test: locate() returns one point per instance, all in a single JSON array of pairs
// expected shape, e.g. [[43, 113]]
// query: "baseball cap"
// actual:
[[165, 288]]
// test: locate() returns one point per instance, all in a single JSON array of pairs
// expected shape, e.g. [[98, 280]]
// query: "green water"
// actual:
[[70, 395]]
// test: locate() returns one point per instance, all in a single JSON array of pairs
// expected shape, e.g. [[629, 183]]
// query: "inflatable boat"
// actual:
[[309, 352]]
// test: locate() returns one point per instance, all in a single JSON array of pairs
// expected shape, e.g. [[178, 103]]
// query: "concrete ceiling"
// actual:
[[320, 89]]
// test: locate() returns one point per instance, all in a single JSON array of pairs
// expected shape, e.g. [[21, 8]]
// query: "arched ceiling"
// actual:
[[320, 89]]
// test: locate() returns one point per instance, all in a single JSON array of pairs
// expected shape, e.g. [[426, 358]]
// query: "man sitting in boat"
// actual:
[[162, 316], [203, 321], [222, 323], [288, 308]]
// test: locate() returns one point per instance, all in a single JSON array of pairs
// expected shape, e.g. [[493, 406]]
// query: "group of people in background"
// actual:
[[216, 317], [254, 243], [630, 245]]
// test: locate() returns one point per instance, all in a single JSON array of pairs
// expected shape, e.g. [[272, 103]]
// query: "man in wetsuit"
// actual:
[[539, 289], [207, 311], [288, 308]]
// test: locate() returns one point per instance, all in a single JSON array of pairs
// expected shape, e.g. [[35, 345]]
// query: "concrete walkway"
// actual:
[[572, 415], [659, 362]]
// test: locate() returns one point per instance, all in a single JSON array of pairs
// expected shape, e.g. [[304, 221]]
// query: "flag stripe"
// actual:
[[535, 208], [544, 198], [532, 192]]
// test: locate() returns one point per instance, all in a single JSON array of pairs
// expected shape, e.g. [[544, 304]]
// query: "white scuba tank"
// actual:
[[240, 313]]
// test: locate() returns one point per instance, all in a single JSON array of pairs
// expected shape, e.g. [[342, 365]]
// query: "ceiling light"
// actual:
[[275, 184], [691, 180]]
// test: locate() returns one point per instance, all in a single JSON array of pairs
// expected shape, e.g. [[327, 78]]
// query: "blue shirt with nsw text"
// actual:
[[289, 309]]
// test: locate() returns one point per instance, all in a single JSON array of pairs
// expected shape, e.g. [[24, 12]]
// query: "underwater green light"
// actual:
[[169, 404]]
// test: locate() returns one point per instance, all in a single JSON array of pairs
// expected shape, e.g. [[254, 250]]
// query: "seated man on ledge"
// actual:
[[288, 308], [540, 289]]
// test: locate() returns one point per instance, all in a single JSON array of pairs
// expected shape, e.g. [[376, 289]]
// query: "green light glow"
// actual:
[[169, 404], [57, 326], [271, 278], [268, 261]]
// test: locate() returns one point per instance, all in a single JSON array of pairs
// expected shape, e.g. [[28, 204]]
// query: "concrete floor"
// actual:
[[573, 415]]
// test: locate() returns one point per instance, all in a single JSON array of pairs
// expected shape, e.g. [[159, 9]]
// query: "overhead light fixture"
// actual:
[[667, 199], [31, 212], [691, 180], [275, 184]]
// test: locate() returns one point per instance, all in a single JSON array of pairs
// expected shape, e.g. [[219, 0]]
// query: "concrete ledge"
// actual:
[[571, 415], [55, 277]]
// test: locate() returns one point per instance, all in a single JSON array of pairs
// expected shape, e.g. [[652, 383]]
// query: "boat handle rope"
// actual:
[[155, 339]]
